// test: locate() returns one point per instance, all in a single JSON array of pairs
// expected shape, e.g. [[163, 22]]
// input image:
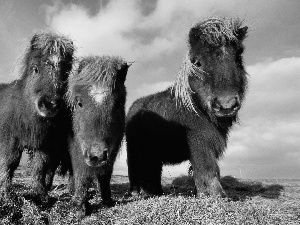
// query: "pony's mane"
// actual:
[[217, 31], [213, 32], [181, 87], [99, 70], [47, 43]]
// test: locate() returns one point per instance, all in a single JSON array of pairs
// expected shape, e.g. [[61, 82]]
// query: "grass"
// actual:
[[248, 202]]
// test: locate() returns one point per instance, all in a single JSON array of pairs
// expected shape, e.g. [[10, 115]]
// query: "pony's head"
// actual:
[[213, 76], [47, 64], [97, 96]]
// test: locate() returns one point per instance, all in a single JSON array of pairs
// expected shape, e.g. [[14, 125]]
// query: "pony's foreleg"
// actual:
[[206, 172], [43, 172], [9, 161], [80, 197], [71, 183], [49, 178], [39, 174], [104, 177]]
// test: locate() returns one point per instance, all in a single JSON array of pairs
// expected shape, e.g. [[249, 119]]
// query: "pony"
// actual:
[[96, 94], [33, 112], [191, 119]]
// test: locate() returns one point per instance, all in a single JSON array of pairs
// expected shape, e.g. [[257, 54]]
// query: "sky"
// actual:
[[153, 35]]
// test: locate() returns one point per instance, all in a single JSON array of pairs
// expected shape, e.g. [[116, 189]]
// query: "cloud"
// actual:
[[274, 87], [101, 34], [266, 144], [264, 150], [146, 89], [122, 28]]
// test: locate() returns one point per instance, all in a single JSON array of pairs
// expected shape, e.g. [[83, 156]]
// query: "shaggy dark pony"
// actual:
[[33, 114], [191, 119], [97, 95]]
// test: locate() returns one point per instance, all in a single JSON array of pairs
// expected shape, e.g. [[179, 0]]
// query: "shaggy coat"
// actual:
[[32, 113], [97, 97], [191, 119]]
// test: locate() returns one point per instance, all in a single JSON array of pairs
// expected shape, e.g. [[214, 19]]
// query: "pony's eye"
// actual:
[[64, 77], [35, 69], [78, 102], [196, 62]]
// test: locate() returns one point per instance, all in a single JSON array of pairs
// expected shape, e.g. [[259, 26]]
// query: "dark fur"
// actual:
[[98, 127], [191, 119], [32, 113]]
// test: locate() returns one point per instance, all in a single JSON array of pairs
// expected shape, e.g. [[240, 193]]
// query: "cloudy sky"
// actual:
[[153, 33]]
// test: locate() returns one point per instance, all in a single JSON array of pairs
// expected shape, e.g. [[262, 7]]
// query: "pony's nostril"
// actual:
[[47, 107], [94, 158], [44, 104], [104, 155], [235, 104], [54, 103], [195, 62], [216, 105]]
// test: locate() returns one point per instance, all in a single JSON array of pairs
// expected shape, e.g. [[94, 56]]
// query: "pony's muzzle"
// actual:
[[47, 107], [226, 106], [96, 156]]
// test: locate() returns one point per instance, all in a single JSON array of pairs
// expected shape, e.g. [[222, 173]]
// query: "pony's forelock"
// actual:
[[217, 31], [53, 43], [94, 70], [48, 43]]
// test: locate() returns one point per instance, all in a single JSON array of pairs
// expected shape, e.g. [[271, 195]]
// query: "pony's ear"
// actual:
[[122, 72], [33, 41], [241, 33]]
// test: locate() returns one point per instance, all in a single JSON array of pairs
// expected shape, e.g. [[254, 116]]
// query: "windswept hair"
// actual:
[[181, 87], [48, 43], [213, 33], [216, 31], [99, 70]]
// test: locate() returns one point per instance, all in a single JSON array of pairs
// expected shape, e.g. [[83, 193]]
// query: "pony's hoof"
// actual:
[[38, 199], [127, 194], [80, 213], [79, 209]]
